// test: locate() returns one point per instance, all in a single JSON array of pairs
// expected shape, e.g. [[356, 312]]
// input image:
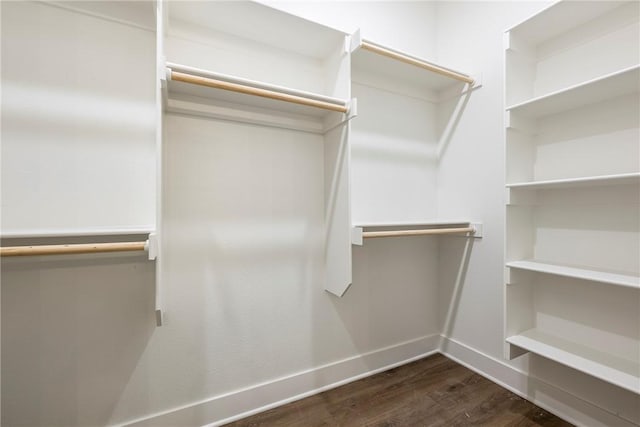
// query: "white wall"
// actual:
[[247, 320], [243, 293], [244, 299], [406, 25]]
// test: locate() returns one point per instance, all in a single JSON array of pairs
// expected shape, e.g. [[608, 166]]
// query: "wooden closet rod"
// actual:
[[394, 233], [418, 63], [248, 90], [84, 248]]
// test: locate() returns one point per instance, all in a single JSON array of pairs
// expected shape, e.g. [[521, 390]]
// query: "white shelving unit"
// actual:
[[589, 181], [573, 189], [212, 67], [593, 91], [242, 71], [393, 158], [216, 66], [86, 129], [612, 278], [600, 364]]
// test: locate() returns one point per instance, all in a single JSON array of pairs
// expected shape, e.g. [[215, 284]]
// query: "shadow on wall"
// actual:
[[393, 298], [455, 253], [73, 330]]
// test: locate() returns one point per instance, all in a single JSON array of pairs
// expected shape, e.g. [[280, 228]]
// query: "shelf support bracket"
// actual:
[[151, 246]]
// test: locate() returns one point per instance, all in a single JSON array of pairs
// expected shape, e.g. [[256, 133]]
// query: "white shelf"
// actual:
[[427, 223], [254, 21], [405, 68], [359, 232], [591, 181], [198, 99], [194, 91], [561, 17], [613, 85], [620, 372], [619, 279], [88, 232]]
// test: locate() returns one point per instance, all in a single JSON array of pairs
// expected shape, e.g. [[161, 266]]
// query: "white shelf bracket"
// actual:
[[508, 276], [163, 72], [356, 236], [151, 246], [352, 109], [347, 44], [477, 226], [477, 81], [506, 40], [355, 41], [159, 317]]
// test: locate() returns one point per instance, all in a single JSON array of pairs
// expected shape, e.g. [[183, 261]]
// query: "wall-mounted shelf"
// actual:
[[201, 92], [590, 92], [370, 57], [621, 372], [590, 181], [255, 21], [618, 279], [553, 21], [572, 95], [77, 243], [427, 228], [102, 231]]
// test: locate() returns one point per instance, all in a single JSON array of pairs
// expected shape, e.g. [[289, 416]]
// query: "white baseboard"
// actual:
[[238, 404], [553, 399], [228, 407]]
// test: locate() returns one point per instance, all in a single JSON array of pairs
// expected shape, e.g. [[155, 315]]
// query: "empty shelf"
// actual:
[[590, 181], [206, 87], [553, 21], [104, 231], [453, 227], [427, 223], [369, 57], [610, 86], [618, 279], [614, 370]]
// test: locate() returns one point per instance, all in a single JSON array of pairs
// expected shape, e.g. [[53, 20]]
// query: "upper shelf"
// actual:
[[613, 85], [590, 181], [89, 232], [197, 91], [372, 57], [553, 20], [255, 21]]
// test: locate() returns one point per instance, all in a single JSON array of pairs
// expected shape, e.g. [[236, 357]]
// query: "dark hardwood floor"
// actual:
[[434, 391]]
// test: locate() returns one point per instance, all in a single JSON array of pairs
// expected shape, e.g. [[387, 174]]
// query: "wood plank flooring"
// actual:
[[434, 391]]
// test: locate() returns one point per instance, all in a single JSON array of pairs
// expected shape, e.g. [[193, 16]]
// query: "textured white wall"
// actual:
[[243, 294], [79, 345]]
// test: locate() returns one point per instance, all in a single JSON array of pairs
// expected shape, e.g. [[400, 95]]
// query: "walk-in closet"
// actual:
[[286, 213]]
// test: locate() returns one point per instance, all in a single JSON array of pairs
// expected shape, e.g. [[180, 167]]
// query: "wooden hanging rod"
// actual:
[[84, 248], [248, 90], [418, 63], [423, 232]]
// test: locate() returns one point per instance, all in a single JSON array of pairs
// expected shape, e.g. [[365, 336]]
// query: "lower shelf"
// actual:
[[618, 279], [620, 372]]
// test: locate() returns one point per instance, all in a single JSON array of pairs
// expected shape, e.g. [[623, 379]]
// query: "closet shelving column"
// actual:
[[246, 64], [89, 187], [573, 189], [395, 142]]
